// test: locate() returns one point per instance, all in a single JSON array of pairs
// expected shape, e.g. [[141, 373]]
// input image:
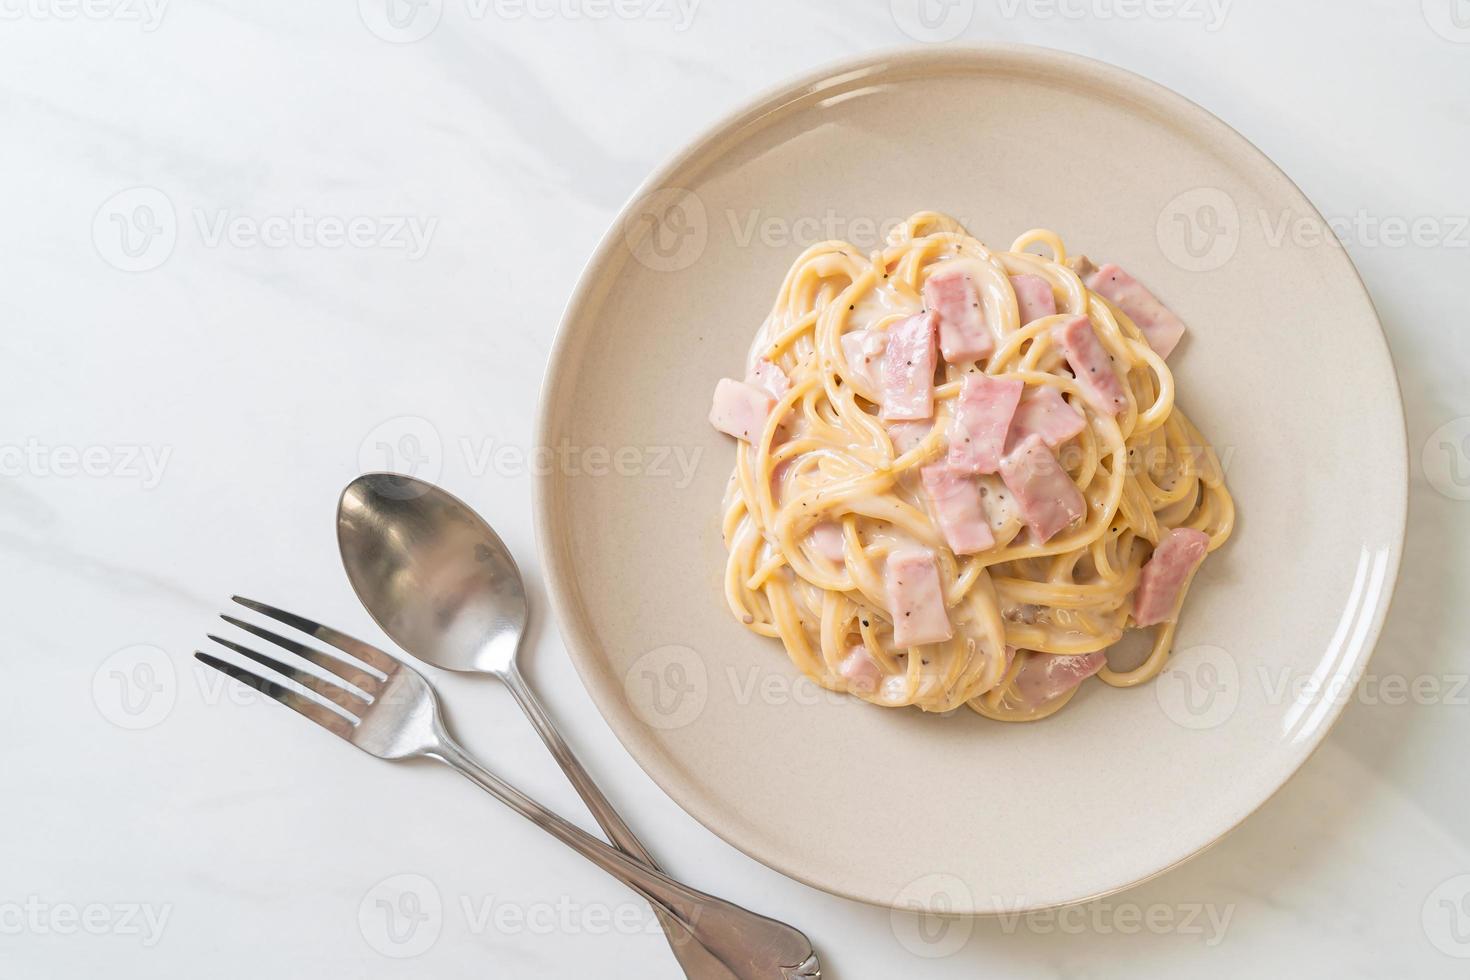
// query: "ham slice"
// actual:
[[827, 541], [768, 375], [1092, 365], [1045, 495], [955, 497], [1161, 328], [864, 352], [954, 300], [1034, 297], [907, 435], [982, 417], [862, 671], [1044, 412], [1162, 578], [1045, 676], [740, 409], [915, 599], [908, 370]]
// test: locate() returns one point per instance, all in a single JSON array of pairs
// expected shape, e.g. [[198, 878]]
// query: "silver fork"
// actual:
[[387, 709]]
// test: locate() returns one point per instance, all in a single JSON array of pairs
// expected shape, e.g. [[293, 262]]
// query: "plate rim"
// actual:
[[582, 646]]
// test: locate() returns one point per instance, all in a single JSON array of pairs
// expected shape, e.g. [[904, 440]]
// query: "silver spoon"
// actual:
[[442, 584]]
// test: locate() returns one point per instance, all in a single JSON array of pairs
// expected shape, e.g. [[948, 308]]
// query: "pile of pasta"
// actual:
[[962, 475]]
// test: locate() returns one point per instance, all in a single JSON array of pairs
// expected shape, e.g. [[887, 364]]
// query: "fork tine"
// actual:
[[336, 693], [346, 669], [320, 714], [363, 651]]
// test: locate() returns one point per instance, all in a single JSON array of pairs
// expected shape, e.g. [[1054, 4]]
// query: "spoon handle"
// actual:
[[608, 818]]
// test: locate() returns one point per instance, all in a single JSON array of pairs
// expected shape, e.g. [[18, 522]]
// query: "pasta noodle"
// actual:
[[826, 489]]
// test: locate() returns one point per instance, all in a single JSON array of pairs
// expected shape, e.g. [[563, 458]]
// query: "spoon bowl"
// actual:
[[432, 573]]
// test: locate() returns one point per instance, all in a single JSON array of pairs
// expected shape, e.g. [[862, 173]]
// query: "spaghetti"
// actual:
[[1033, 497]]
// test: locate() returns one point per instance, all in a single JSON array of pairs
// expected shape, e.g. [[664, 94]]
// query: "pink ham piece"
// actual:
[[864, 352], [982, 417], [862, 671], [1092, 365], [908, 370], [740, 410], [768, 375], [1045, 495], [955, 302], [1044, 412], [907, 435], [1159, 582], [827, 541], [1034, 298], [955, 497], [915, 599], [1161, 328], [1045, 676], [778, 477]]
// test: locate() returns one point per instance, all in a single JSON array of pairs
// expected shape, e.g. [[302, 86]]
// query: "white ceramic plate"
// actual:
[[1286, 370]]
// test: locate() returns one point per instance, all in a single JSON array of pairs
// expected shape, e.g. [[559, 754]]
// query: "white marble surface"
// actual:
[[179, 432]]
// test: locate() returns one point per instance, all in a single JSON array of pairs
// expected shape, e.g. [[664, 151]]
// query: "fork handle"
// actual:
[[697, 962], [750, 946]]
